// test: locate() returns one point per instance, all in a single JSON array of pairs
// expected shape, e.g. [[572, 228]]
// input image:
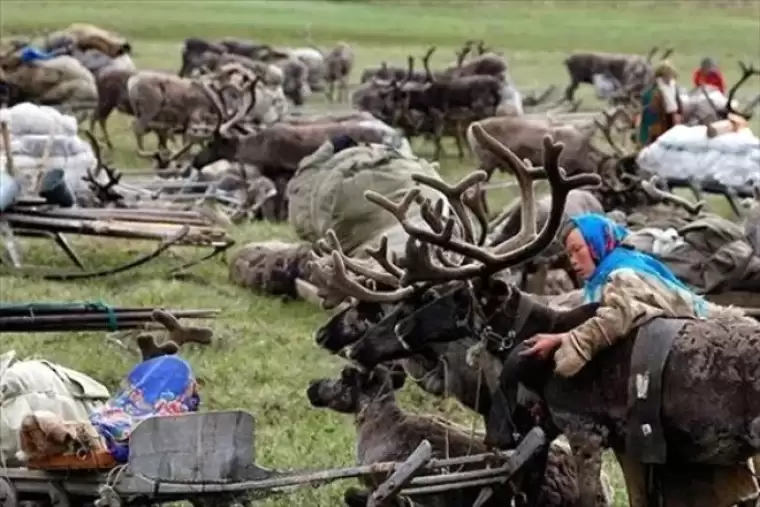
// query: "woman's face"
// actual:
[[580, 255]]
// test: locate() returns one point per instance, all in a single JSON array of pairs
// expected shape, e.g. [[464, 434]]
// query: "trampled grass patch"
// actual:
[[265, 356]]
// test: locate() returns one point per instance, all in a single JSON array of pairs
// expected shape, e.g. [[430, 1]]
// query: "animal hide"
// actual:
[[732, 159], [45, 434]]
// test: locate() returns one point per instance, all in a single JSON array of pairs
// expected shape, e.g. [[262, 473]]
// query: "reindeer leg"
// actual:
[[458, 139], [570, 90], [438, 127], [586, 445], [139, 129]]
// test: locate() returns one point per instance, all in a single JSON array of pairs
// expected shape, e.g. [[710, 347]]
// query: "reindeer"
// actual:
[[84, 37], [485, 63], [523, 136], [439, 101], [386, 433], [112, 94], [630, 72], [590, 408], [276, 150], [338, 65], [314, 60], [163, 102]]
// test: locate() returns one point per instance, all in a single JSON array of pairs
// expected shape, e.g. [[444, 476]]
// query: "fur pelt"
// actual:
[[44, 434], [270, 267]]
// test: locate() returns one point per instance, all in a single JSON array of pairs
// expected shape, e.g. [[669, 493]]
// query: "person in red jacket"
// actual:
[[708, 75]]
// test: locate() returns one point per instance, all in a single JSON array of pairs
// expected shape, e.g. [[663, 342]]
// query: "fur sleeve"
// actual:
[[620, 310]]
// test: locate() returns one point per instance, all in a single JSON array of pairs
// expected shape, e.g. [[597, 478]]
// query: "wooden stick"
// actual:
[[402, 475], [7, 147]]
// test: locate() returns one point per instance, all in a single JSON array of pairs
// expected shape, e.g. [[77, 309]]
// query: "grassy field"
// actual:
[[265, 356]]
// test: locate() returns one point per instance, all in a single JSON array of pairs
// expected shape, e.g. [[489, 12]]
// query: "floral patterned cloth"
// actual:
[[160, 386]]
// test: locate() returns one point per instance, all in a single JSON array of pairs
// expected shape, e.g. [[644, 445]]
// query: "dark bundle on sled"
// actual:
[[270, 267]]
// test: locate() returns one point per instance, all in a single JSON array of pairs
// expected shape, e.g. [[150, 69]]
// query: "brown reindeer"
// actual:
[[484, 63], [338, 65], [439, 102], [387, 433]]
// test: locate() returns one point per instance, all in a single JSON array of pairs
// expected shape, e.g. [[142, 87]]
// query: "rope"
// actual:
[[32, 308], [113, 321]]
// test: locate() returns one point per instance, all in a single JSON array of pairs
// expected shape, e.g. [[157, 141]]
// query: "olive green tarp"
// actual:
[[327, 192]]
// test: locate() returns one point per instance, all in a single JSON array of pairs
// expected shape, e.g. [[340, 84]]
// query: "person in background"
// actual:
[[661, 105], [708, 74]]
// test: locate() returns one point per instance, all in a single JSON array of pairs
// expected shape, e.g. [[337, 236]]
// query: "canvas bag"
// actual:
[[327, 192]]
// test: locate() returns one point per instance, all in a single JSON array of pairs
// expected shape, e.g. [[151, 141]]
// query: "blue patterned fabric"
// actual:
[[603, 238], [160, 386]]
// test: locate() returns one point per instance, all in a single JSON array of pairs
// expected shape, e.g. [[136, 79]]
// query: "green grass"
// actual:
[[265, 355]]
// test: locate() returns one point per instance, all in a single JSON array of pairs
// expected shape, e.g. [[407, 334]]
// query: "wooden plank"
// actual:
[[402, 475], [209, 447]]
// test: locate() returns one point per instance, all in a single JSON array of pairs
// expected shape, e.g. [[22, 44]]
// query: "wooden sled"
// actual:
[[210, 457], [168, 228]]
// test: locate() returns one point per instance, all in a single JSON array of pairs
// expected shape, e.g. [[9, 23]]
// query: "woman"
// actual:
[[632, 287], [708, 74], [661, 105]]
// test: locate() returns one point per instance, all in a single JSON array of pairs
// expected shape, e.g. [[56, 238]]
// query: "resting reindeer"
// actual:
[[710, 418], [387, 433]]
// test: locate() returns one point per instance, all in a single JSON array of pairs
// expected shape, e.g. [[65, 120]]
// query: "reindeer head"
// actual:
[[355, 390], [224, 141], [431, 302]]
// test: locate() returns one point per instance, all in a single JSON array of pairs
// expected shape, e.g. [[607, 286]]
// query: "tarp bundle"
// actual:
[[36, 384], [327, 192], [682, 152], [708, 253], [32, 128]]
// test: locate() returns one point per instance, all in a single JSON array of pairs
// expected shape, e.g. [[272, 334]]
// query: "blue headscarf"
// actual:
[[604, 237]]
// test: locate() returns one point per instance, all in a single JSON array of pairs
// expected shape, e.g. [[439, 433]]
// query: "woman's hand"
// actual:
[[543, 345]]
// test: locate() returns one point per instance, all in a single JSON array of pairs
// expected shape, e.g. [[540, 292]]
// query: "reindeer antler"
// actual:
[[606, 130], [105, 193], [426, 63], [659, 195], [524, 245], [747, 72]]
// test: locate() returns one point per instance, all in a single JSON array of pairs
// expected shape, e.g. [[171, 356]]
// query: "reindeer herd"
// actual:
[[447, 310]]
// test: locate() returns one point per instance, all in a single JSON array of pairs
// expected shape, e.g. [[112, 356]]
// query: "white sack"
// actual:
[[732, 159]]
